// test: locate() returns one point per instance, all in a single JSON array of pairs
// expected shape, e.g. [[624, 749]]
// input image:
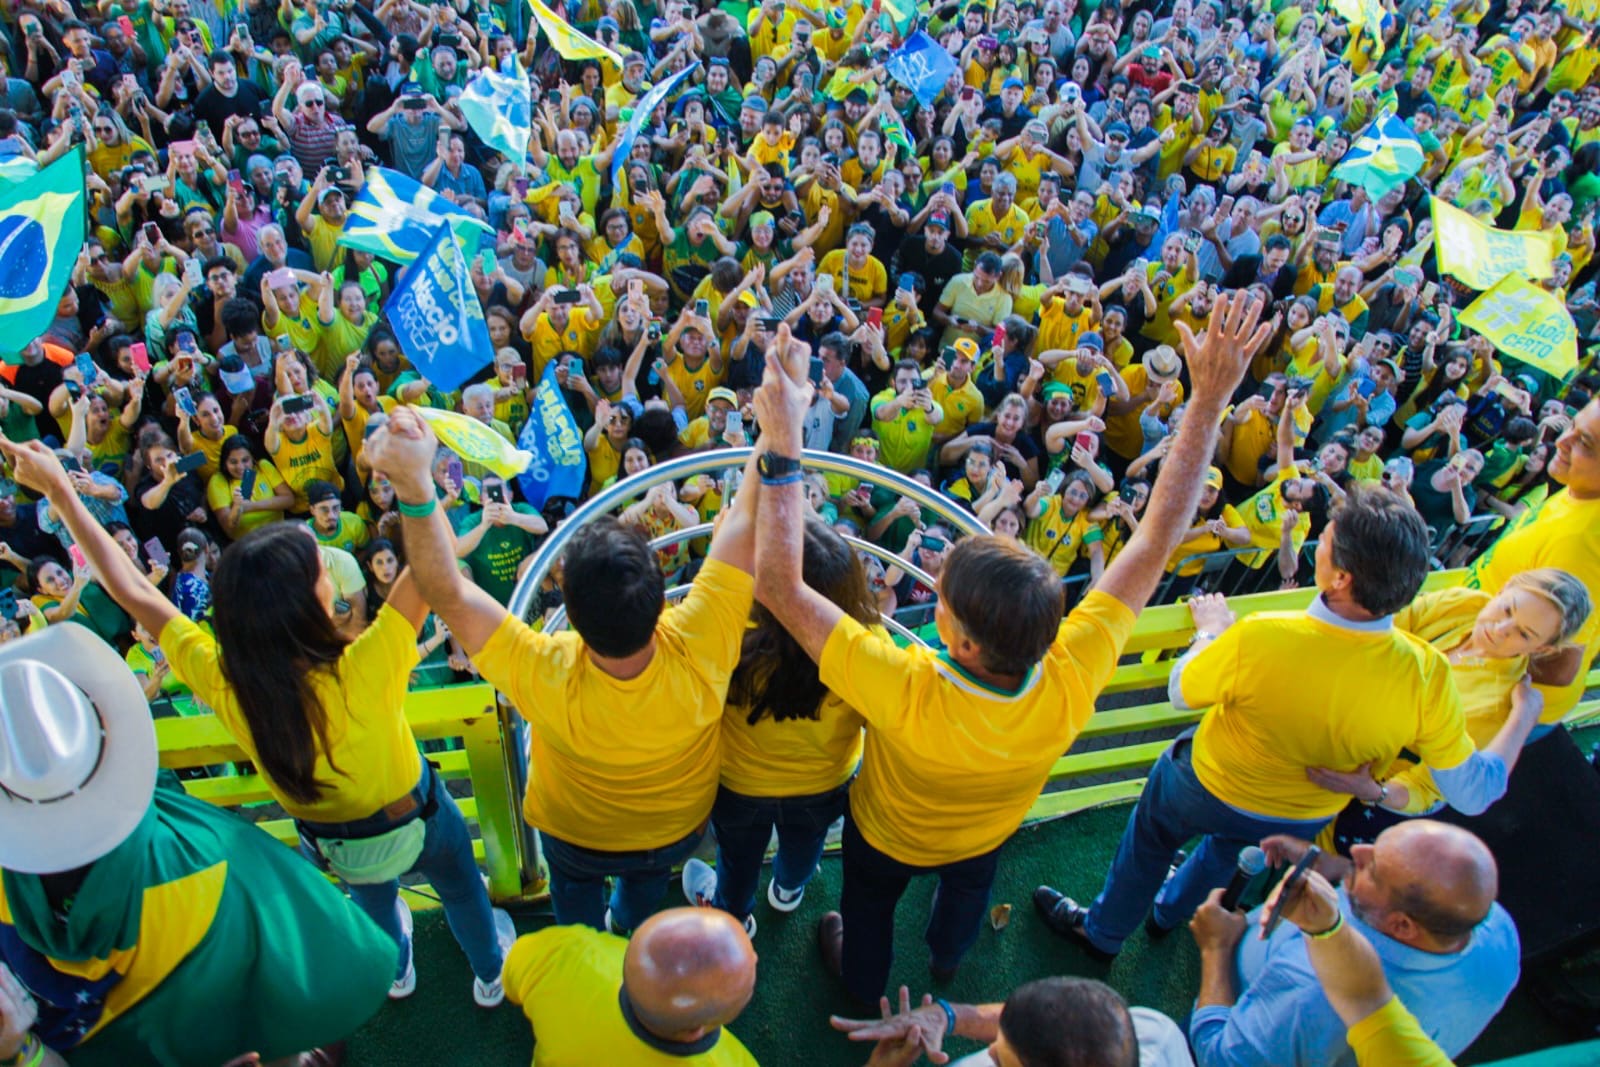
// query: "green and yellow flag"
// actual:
[[1526, 322], [569, 43], [41, 229], [1478, 255]]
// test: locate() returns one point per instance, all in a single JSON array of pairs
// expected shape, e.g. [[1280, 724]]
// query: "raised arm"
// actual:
[[37, 468], [403, 450], [1217, 361]]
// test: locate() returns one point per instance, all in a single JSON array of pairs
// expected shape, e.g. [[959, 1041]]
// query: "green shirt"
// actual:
[[503, 548]]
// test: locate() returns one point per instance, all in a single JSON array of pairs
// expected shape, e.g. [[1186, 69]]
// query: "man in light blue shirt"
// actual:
[[1422, 894]]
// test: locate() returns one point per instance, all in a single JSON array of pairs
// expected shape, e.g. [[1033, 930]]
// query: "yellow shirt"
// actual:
[[962, 405], [1201, 545], [567, 980], [372, 759], [904, 440], [796, 757], [548, 342], [952, 765], [1561, 532], [1392, 1037], [1123, 434], [625, 764], [982, 221], [870, 282], [1057, 536], [1291, 690], [303, 462], [212, 450], [1263, 517], [696, 384], [1444, 619], [219, 495]]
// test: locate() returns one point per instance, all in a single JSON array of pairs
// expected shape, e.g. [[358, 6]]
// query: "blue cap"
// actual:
[[1013, 83], [1091, 340]]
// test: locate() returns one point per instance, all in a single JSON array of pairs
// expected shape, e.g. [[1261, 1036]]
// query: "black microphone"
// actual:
[[1252, 861]]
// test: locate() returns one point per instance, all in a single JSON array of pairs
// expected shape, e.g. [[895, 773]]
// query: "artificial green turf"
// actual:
[[786, 1024]]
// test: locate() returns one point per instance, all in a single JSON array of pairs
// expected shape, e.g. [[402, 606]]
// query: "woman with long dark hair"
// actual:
[[789, 749], [321, 716]]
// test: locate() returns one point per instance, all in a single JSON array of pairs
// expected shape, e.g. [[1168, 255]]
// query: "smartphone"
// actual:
[[968, 92], [654, 333], [998, 341], [293, 405], [192, 462], [934, 544], [185, 401], [735, 424], [80, 562], [521, 187], [519, 372], [156, 185], [247, 484], [191, 272], [816, 372], [1107, 386], [1430, 293], [1084, 440], [1292, 879], [948, 189], [1268, 391], [70, 463], [87, 370], [485, 23], [1366, 387], [702, 308], [874, 317], [1054, 479], [566, 296], [281, 278], [494, 493], [152, 232], [487, 263], [8, 603], [74, 390], [1128, 492], [824, 283], [455, 472]]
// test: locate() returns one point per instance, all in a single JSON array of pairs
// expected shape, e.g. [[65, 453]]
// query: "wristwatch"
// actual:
[[1383, 794], [773, 466]]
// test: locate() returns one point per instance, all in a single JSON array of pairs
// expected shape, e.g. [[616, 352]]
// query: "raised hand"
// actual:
[[1218, 358]]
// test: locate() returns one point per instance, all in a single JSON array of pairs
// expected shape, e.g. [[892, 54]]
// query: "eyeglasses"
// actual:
[[312, 103], [251, 132], [206, 232]]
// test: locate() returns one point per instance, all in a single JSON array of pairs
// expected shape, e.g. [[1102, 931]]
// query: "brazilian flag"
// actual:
[[195, 940], [42, 226]]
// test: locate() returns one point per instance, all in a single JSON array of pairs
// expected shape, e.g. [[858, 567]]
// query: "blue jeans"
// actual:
[[1173, 808], [873, 885], [744, 825], [578, 880], [446, 861]]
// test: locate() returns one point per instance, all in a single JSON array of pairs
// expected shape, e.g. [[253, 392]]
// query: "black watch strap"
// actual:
[[772, 465]]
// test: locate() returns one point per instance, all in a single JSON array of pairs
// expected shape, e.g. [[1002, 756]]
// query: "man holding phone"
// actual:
[[903, 417], [1422, 895], [494, 540]]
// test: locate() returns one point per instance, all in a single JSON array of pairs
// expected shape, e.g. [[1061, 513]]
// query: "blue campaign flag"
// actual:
[[436, 317], [921, 66], [643, 108], [395, 217], [499, 108], [551, 435]]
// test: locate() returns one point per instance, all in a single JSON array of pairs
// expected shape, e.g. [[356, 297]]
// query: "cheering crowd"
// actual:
[[1098, 276]]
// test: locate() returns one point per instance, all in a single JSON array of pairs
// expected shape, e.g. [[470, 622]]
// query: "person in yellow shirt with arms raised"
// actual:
[[959, 743], [625, 709]]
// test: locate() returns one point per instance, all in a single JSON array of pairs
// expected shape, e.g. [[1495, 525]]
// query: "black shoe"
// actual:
[[1154, 930], [942, 975], [830, 939], [1065, 916]]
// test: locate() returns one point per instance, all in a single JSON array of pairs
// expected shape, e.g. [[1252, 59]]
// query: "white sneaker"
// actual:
[[750, 927], [406, 984], [699, 883], [784, 900], [490, 994]]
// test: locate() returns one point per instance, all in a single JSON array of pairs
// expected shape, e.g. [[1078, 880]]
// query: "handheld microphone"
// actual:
[[1252, 861]]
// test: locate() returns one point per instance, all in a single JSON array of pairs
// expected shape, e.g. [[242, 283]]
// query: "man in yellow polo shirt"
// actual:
[[662, 997], [1562, 532], [955, 391], [959, 743], [625, 709], [904, 417], [1333, 686]]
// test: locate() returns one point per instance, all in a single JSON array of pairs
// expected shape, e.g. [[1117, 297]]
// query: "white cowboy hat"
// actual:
[[77, 751]]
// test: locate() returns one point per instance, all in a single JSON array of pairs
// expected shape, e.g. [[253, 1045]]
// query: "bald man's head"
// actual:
[[688, 971], [1424, 883]]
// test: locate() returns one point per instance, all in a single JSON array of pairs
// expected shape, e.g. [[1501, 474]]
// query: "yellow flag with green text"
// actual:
[[567, 41], [1526, 323], [475, 442], [1479, 256]]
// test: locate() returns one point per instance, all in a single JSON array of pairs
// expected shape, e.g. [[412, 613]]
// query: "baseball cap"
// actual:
[[1092, 340], [748, 299], [318, 490], [1213, 478], [722, 392], [939, 219], [1118, 129], [1013, 83], [966, 346], [1055, 389]]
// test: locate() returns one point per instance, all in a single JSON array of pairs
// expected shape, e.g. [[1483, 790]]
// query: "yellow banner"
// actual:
[[1526, 323], [1479, 256], [476, 443], [568, 42]]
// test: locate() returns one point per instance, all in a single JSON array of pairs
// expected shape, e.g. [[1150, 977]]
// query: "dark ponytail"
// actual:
[[774, 675], [275, 638]]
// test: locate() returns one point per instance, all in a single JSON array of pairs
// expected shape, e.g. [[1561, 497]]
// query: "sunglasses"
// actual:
[[313, 103]]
